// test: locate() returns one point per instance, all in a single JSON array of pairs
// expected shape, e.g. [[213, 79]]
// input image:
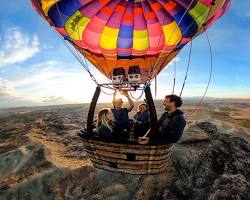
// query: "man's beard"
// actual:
[[166, 109]]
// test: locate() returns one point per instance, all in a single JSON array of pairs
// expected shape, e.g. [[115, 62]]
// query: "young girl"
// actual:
[[121, 123], [104, 123], [142, 119]]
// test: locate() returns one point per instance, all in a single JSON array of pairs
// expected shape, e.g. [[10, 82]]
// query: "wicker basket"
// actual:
[[127, 158]]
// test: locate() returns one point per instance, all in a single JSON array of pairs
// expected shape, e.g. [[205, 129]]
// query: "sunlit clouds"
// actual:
[[17, 47], [51, 84], [37, 69], [8, 96]]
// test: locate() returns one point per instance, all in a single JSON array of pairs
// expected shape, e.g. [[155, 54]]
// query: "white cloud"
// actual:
[[57, 85], [8, 96], [190, 89], [17, 47], [5, 88], [240, 80], [227, 92], [53, 99], [51, 83], [241, 8], [164, 74], [172, 63]]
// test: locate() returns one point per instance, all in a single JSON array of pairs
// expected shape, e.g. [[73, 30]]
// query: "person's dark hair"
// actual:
[[176, 99], [138, 108]]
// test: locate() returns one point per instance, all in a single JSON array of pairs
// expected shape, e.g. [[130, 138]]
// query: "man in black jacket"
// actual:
[[171, 123]]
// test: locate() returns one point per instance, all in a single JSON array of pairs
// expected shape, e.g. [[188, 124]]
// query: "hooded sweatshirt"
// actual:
[[171, 126]]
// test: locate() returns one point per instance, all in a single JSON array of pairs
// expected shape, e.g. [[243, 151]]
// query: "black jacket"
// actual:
[[171, 126]]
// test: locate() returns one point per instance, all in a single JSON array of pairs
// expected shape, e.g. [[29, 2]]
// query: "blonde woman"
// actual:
[[104, 123]]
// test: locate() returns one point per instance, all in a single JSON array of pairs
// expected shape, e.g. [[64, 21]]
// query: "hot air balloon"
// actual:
[[130, 42]]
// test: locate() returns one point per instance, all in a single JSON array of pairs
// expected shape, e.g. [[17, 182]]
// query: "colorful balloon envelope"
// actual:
[[123, 33]]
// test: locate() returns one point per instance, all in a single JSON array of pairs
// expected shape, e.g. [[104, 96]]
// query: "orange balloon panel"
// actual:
[[106, 65]]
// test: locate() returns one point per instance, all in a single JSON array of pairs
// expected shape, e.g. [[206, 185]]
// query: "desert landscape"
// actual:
[[41, 156]]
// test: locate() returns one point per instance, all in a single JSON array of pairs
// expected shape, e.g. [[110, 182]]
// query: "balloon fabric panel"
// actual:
[[124, 33]]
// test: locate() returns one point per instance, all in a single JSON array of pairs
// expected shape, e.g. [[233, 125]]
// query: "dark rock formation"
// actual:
[[220, 171], [207, 127], [20, 164], [206, 164]]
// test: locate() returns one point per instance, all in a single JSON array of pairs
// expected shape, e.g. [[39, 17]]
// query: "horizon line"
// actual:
[[65, 104]]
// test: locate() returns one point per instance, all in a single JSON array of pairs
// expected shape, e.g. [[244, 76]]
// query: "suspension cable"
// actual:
[[79, 60], [75, 53], [137, 99], [174, 76], [152, 69], [211, 62], [109, 94], [209, 79], [86, 67], [203, 25], [155, 87], [79, 37], [187, 69]]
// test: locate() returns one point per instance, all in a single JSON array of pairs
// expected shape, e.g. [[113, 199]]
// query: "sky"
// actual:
[[37, 69]]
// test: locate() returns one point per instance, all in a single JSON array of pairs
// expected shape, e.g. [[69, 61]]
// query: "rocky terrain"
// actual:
[[42, 158]]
